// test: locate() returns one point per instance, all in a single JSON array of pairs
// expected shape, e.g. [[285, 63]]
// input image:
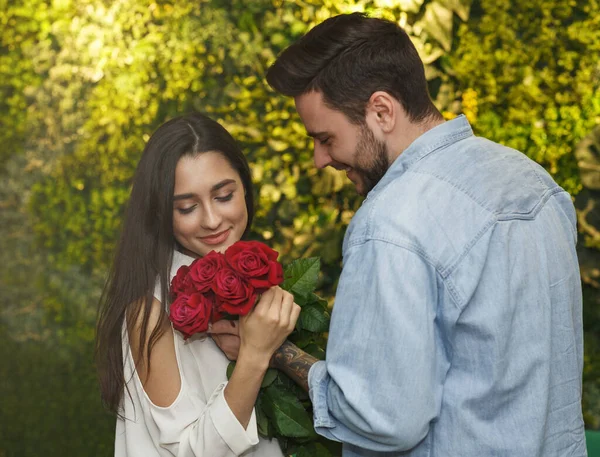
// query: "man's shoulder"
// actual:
[[500, 179]]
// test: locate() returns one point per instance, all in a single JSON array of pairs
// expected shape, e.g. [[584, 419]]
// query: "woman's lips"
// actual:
[[216, 239]]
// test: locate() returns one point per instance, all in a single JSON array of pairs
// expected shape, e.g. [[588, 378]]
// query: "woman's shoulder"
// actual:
[[150, 332]]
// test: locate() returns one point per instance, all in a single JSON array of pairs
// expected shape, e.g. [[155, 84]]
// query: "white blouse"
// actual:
[[199, 423]]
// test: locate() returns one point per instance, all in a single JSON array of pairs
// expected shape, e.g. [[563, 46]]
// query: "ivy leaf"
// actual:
[[287, 413], [314, 318], [301, 276]]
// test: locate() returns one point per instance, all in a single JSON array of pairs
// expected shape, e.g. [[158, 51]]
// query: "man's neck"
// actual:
[[408, 132]]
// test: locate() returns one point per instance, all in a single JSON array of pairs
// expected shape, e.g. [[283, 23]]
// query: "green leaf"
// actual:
[[460, 7], [269, 377], [437, 21], [230, 369], [301, 276], [301, 337], [313, 450], [315, 350], [287, 413], [262, 421], [314, 318], [411, 6], [309, 299]]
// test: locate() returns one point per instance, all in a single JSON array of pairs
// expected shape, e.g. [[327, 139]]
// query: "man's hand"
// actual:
[[226, 334]]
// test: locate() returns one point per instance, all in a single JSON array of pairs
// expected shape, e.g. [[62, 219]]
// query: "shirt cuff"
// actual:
[[227, 425], [318, 383]]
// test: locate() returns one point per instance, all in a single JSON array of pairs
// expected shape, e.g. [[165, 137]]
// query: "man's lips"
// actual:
[[217, 238], [339, 166]]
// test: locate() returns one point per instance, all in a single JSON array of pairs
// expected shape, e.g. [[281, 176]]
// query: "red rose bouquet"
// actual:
[[218, 285]]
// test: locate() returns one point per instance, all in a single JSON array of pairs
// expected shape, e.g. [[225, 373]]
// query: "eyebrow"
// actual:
[[316, 134], [214, 188]]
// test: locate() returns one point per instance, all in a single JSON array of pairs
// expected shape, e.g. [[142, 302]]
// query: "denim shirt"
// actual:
[[457, 325]]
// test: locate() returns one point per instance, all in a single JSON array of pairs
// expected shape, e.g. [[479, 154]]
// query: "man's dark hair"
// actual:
[[349, 57]]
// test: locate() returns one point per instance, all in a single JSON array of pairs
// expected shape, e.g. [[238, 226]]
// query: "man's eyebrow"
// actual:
[[216, 187], [316, 134]]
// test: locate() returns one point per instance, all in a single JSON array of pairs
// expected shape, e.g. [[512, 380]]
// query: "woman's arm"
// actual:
[[261, 332]]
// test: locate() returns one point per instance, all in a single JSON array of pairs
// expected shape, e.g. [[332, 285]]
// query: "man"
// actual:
[[457, 327]]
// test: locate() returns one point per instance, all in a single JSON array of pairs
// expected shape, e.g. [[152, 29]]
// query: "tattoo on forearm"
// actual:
[[294, 362]]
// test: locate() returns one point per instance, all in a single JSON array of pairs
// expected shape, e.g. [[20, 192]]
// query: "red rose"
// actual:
[[256, 262], [181, 282], [234, 294], [203, 270], [191, 313]]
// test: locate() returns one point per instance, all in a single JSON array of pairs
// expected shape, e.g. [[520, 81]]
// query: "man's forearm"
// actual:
[[294, 362]]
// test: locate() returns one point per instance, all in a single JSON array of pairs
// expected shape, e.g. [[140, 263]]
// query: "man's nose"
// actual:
[[321, 156]]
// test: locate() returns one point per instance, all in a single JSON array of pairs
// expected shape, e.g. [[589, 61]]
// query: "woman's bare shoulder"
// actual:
[[160, 377]]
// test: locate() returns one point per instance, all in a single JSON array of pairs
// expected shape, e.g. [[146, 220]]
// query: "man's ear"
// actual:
[[382, 109]]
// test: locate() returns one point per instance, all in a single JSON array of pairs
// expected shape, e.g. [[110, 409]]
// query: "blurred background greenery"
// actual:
[[83, 83]]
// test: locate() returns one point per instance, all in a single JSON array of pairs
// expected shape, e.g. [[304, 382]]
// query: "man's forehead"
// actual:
[[309, 102], [317, 117]]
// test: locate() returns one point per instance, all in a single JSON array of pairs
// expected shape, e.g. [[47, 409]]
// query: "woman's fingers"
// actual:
[[264, 303], [295, 313], [274, 317], [285, 308]]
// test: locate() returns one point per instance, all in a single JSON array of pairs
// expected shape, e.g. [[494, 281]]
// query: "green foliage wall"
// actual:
[[84, 83], [531, 69]]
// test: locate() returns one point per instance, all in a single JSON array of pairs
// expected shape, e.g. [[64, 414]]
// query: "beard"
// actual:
[[371, 160]]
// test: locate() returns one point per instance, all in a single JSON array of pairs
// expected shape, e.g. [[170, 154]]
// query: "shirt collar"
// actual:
[[438, 137]]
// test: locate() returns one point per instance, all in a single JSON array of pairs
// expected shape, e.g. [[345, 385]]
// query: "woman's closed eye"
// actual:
[[324, 141], [225, 198], [187, 210]]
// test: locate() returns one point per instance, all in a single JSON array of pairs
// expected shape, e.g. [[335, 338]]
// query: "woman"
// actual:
[[192, 193]]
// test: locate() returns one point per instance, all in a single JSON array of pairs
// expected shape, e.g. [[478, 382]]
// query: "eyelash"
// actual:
[[186, 210], [325, 141], [226, 198]]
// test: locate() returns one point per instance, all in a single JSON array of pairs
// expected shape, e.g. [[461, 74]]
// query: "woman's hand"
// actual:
[[265, 328], [261, 332]]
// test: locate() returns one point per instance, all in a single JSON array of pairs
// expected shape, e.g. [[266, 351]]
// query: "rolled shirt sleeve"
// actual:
[[190, 429], [380, 386]]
